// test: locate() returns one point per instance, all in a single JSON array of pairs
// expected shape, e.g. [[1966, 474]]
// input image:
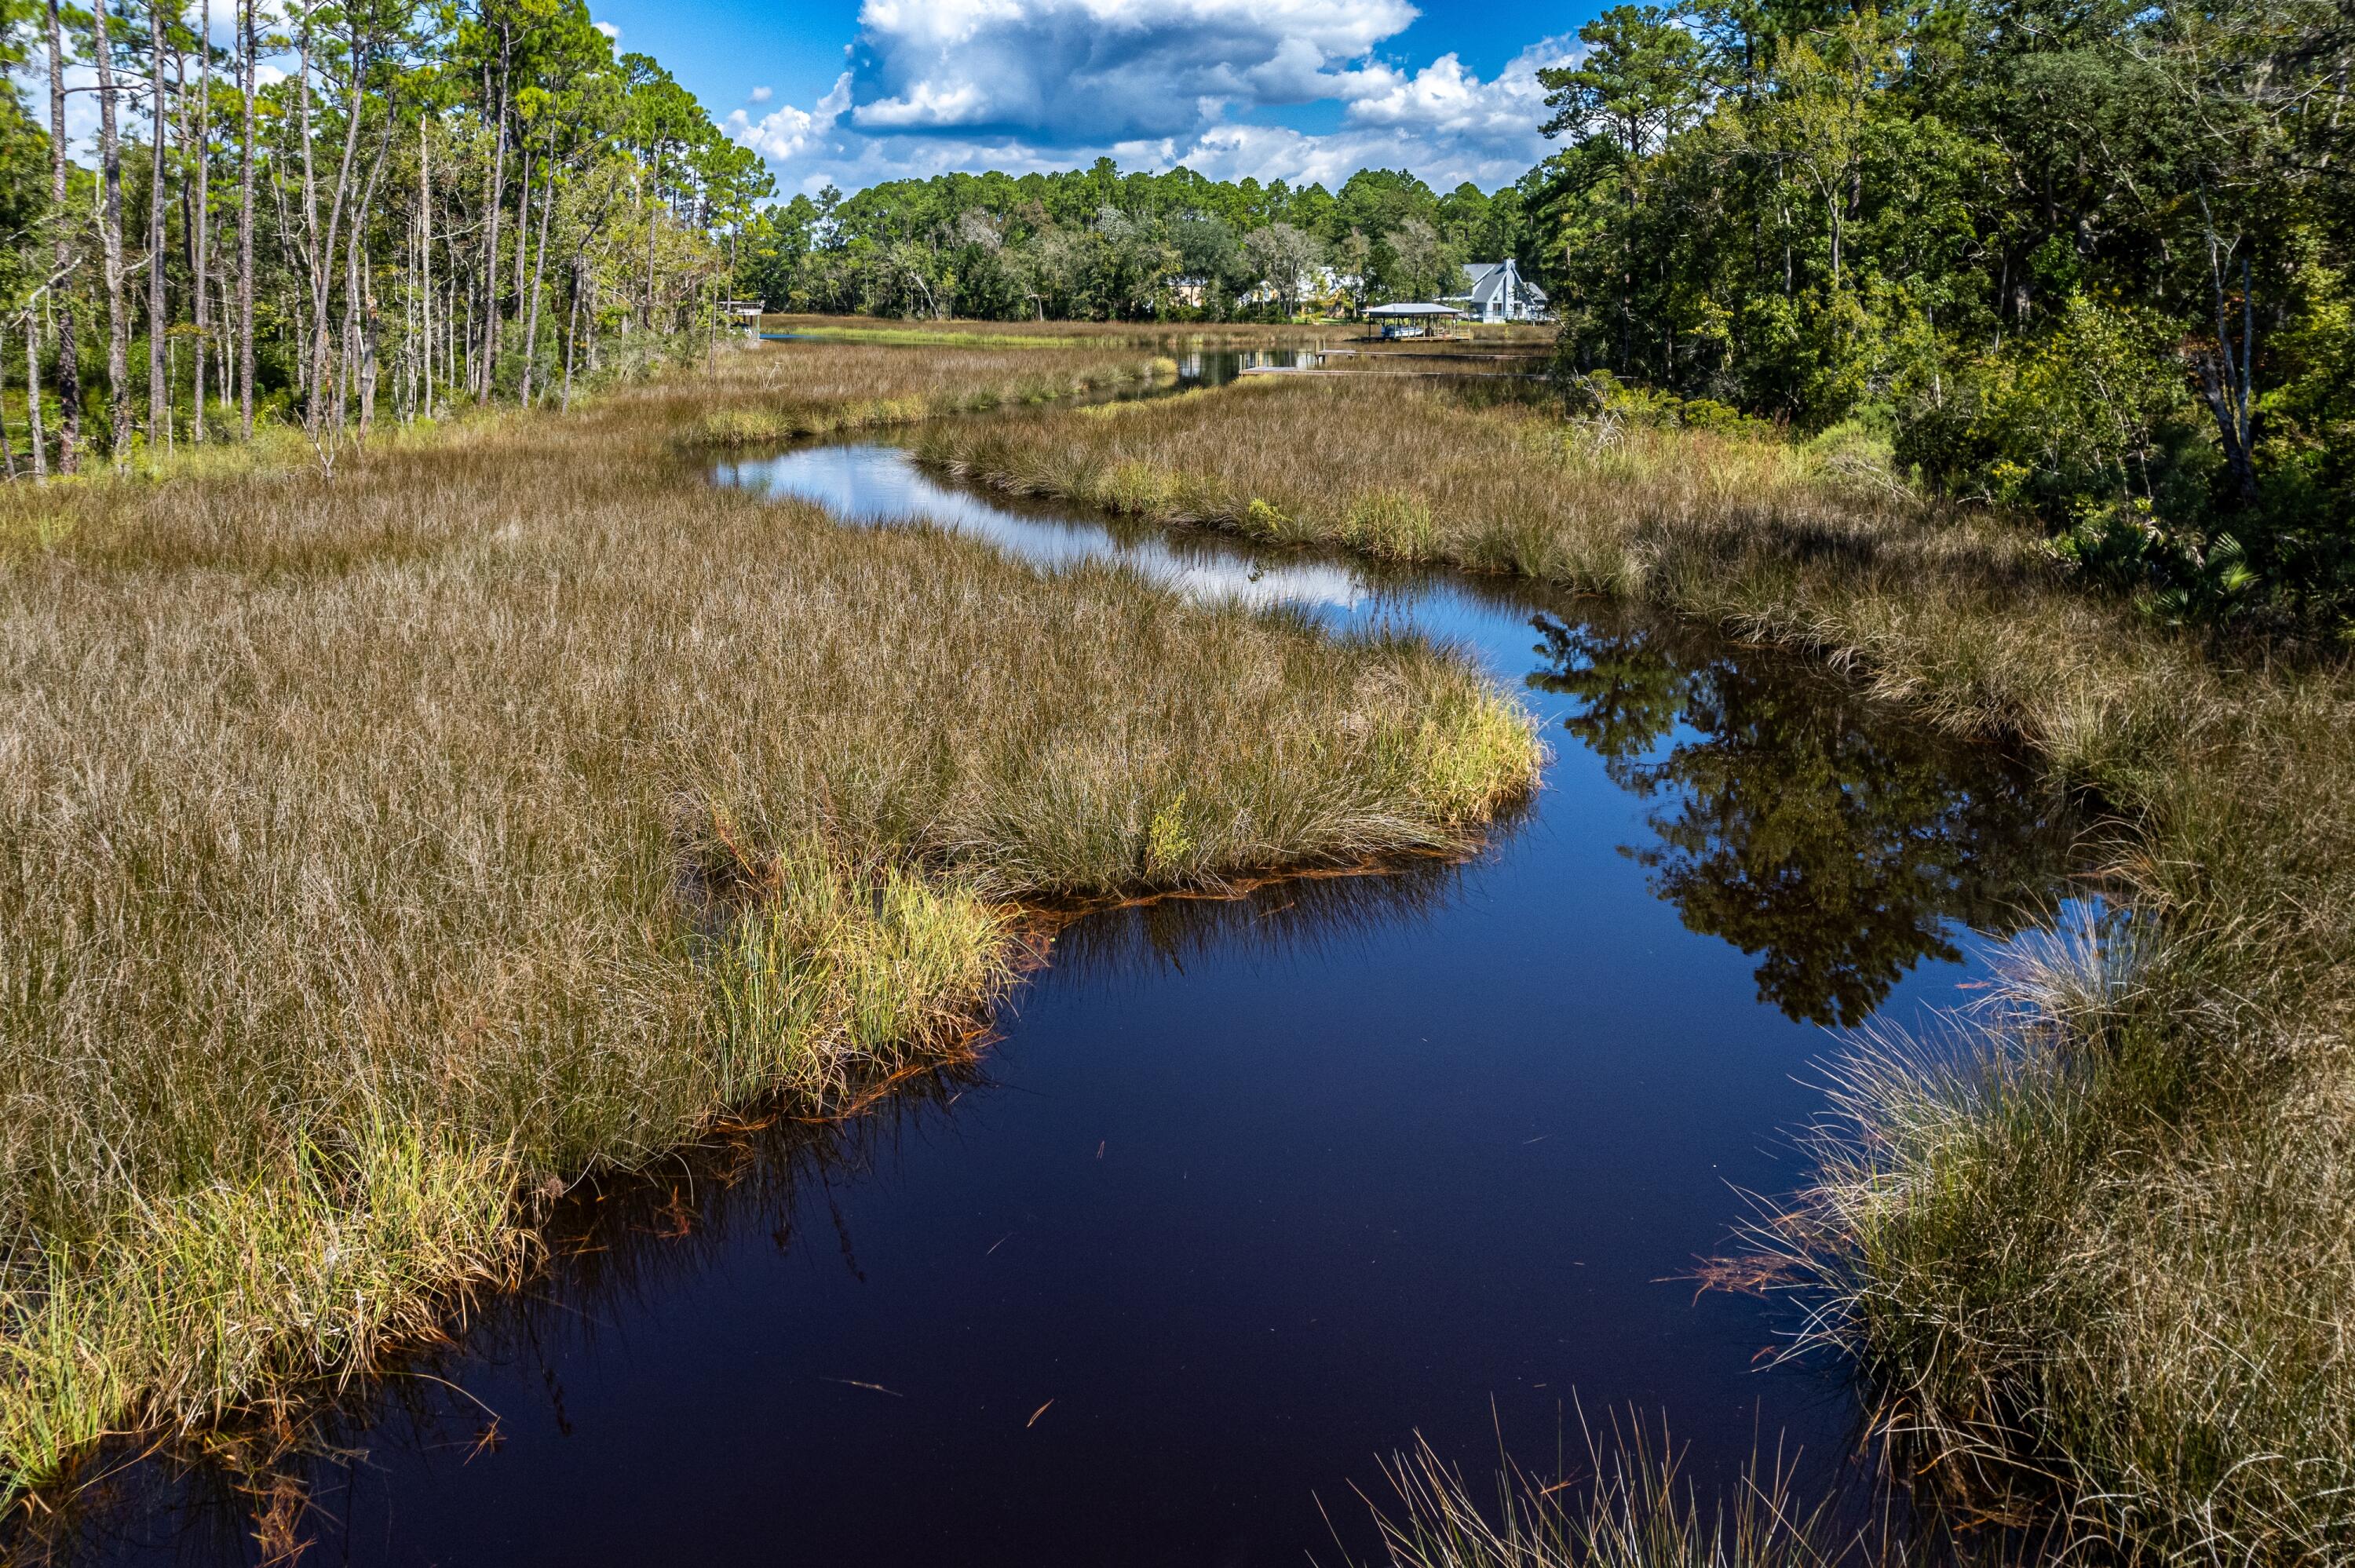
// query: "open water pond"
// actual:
[[1249, 1193]]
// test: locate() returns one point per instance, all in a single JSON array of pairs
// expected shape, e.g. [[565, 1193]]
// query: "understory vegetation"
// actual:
[[2097, 1255], [2087, 260], [379, 855]]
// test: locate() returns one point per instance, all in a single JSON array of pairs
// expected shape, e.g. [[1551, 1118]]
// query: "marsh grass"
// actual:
[[922, 337], [376, 855], [2095, 1251], [963, 333], [788, 390], [1625, 1501], [1950, 610]]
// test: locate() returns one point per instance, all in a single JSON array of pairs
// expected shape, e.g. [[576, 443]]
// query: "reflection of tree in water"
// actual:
[[1799, 819]]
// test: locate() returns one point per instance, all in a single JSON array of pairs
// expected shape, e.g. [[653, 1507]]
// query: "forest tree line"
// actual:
[[327, 215], [2086, 259], [1096, 244]]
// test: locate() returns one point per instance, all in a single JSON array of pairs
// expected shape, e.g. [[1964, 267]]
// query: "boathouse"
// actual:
[[1412, 320]]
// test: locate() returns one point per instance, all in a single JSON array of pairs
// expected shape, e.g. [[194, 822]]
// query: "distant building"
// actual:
[[1499, 294], [745, 313], [1319, 287], [1415, 320]]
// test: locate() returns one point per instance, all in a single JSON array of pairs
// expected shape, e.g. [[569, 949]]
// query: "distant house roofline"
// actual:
[[1488, 283]]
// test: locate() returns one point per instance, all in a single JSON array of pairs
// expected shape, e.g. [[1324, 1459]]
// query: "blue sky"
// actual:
[[857, 90]]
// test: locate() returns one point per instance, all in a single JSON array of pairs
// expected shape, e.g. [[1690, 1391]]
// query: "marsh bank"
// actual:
[[1246, 1193]]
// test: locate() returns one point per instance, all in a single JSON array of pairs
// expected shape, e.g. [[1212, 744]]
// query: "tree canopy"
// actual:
[[428, 205], [1101, 244], [2084, 257]]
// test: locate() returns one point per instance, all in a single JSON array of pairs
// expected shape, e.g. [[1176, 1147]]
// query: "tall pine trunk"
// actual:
[[487, 367], [538, 276], [245, 232], [201, 210], [159, 379], [33, 393], [571, 335], [654, 216], [425, 253], [69, 340], [109, 233]]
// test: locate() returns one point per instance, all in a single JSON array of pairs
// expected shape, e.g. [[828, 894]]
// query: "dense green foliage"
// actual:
[[1095, 244], [2085, 258], [312, 212]]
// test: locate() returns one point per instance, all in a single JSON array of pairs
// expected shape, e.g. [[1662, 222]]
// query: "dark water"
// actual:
[[1248, 1193], [1216, 367]]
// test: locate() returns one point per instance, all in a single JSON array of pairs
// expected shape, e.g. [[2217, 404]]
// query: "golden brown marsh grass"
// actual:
[[1533, 343], [375, 852], [962, 330], [1750, 533], [785, 390], [2100, 1254]]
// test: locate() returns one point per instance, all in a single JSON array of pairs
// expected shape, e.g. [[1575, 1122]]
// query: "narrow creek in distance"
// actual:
[[1250, 1193]]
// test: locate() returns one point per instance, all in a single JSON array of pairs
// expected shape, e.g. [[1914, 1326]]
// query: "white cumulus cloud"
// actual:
[[933, 85], [786, 133], [1098, 70], [1443, 101]]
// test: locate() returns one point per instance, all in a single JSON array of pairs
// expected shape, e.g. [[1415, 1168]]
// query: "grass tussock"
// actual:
[[377, 854], [866, 381], [2096, 1257], [1629, 1505], [194, 1300]]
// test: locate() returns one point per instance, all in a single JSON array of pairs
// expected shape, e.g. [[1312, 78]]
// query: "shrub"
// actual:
[[2096, 409]]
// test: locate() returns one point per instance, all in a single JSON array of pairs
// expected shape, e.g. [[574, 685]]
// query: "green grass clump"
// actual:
[[194, 1302], [1391, 524], [378, 855]]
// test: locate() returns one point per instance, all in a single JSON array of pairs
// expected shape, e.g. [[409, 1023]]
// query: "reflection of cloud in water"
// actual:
[[881, 485]]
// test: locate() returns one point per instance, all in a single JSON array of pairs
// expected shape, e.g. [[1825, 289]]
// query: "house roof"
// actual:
[[1488, 279]]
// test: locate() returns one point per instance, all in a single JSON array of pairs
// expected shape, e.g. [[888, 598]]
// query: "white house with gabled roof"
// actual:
[[1499, 294]]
